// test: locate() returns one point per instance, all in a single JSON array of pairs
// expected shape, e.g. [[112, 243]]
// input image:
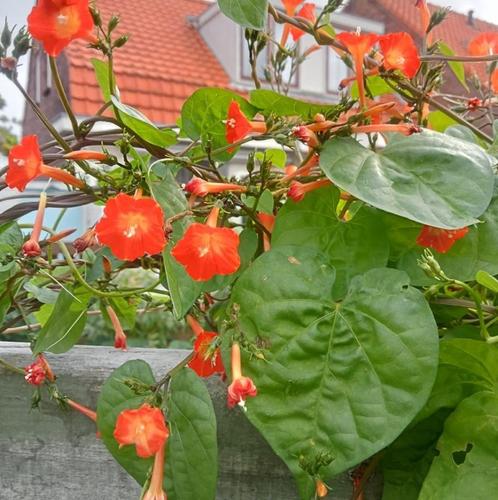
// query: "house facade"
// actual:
[[178, 46]]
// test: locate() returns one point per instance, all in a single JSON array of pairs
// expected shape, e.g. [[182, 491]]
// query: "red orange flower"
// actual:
[[155, 490], [31, 248], [494, 81], [85, 154], [119, 334], [484, 44], [400, 52], [306, 134], [206, 250], [358, 46], [200, 187], [440, 240], [56, 23], [241, 387], [307, 12], [298, 190], [400, 128], [132, 227], [425, 16], [290, 7], [207, 358], [37, 372], [268, 222], [82, 409], [144, 427], [25, 164], [238, 126]]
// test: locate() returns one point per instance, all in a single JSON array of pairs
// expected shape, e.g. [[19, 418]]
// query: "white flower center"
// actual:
[[203, 251], [62, 19], [131, 231]]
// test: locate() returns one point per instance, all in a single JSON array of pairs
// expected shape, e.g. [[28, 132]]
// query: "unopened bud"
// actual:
[[95, 13], [321, 489], [6, 37], [120, 41], [113, 22]]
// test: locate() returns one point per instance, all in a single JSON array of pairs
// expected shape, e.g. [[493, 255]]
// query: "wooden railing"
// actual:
[[48, 454]]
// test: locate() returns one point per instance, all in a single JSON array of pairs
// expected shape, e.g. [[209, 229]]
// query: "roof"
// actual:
[[164, 61], [455, 30]]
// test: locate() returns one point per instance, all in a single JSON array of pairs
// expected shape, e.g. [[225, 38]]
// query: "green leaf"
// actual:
[[340, 379], [269, 102], [467, 462], [277, 157], [265, 202], [183, 289], [475, 252], [11, 238], [142, 126], [204, 113], [192, 452], [247, 13], [456, 66], [352, 247], [65, 325], [429, 177], [102, 74], [465, 367], [376, 85], [115, 397], [43, 295], [408, 460], [485, 279], [440, 121], [462, 132]]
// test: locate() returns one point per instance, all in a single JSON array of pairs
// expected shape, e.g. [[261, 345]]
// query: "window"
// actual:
[[336, 71]]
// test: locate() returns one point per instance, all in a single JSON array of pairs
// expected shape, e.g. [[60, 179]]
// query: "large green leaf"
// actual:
[[247, 13], [466, 367], [269, 102], [192, 453], [352, 247], [467, 462], [475, 252], [341, 378], [430, 178], [115, 397], [204, 114], [142, 126], [66, 323]]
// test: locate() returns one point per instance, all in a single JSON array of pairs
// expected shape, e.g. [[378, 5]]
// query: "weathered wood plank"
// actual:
[[51, 455]]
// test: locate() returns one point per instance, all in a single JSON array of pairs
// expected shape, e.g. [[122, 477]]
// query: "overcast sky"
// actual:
[[17, 10]]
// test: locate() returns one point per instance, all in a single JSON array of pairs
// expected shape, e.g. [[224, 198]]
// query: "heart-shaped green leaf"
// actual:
[[352, 247], [115, 397], [342, 379], [192, 453], [430, 178]]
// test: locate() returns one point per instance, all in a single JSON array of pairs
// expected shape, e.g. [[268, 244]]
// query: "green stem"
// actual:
[[173, 371], [10, 367], [67, 255], [41, 115], [62, 95]]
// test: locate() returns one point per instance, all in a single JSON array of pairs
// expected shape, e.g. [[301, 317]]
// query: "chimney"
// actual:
[[470, 18]]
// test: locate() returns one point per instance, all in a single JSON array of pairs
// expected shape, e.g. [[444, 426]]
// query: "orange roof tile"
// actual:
[[164, 61], [455, 30]]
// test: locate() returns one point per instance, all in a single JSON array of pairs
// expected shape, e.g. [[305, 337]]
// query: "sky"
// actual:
[[16, 11]]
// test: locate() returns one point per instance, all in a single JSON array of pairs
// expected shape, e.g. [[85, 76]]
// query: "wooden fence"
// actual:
[[48, 454]]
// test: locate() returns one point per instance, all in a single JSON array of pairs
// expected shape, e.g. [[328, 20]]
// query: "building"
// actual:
[[177, 46]]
